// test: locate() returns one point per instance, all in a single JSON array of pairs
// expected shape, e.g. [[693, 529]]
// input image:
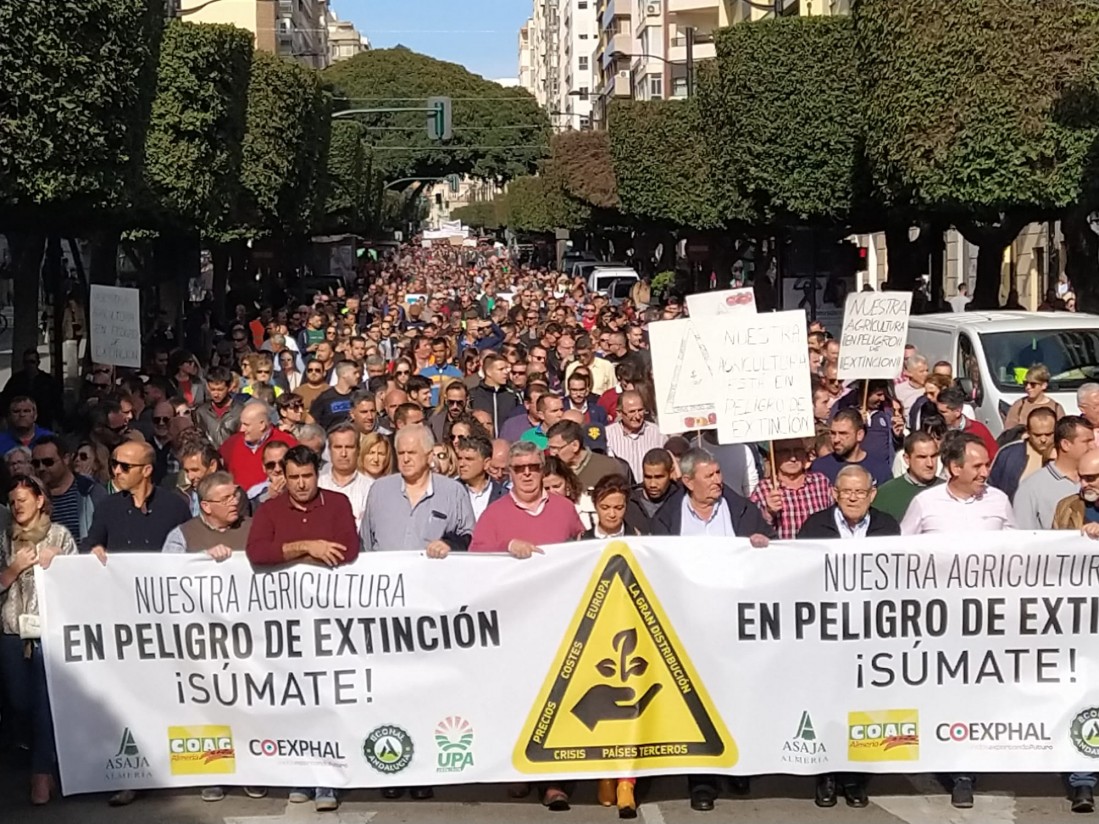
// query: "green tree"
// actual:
[[499, 132], [77, 82], [985, 113], [196, 138], [662, 170], [285, 145], [349, 179], [539, 205], [783, 121]]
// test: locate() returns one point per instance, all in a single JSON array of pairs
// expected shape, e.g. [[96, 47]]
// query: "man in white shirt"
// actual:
[[630, 437], [474, 454], [341, 473]]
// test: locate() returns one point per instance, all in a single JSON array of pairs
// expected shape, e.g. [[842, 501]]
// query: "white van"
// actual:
[[601, 277], [991, 351]]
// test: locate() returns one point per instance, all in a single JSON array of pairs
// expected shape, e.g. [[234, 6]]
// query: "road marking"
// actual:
[[650, 814], [931, 806], [303, 814]]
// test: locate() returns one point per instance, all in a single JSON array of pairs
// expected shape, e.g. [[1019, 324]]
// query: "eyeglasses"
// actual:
[[124, 466], [1089, 479], [296, 405], [455, 403], [269, 465], [232, 499], [312, 371], [404, 372], [37, 463], [1033, 383], [161, 420], [852, 494], [525, 468]]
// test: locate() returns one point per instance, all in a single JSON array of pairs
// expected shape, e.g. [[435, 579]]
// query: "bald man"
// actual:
[[243, 451], [139, 516]]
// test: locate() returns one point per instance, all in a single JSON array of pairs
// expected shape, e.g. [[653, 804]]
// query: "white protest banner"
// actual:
[[875, 328], [597, 659], [683, 377], [725, 302], [415, 297], [761, 366], [116, 325]]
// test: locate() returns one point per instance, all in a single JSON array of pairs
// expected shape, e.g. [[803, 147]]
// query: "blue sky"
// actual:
[[482, 35]]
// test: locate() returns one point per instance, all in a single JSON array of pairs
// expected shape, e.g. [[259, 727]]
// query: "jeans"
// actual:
[[24, 681], [1082, 780]]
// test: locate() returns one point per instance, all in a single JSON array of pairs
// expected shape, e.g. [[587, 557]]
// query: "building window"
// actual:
[[656, 87], [582, 64], [583, 4], [583, 37], [583, 92], [679, 87]]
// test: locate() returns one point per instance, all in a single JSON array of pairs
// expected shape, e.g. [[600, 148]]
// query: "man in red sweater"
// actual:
[[528, 516], [243, 451], [310, 525]]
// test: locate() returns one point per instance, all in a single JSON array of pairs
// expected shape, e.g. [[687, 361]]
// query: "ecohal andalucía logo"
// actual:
[[388, 749]]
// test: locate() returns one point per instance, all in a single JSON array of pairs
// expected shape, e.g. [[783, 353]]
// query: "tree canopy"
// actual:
[[77, 82], [783, 118], [499, 133], [662, 168], [196, 135]]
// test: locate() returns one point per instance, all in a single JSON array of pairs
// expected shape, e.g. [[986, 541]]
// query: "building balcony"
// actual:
[[621, 43], [703, 49], [693, 7]]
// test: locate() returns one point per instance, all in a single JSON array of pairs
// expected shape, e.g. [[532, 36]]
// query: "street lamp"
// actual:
[[689, 37]]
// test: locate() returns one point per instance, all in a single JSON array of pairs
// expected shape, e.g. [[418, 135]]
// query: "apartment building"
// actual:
[[294, 29], [526, 58], [614, 53], [344, 40], [555, 59]]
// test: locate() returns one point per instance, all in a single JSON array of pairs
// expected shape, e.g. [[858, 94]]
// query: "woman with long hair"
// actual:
[[444, 460], [30, 540], [375, 455], [402, 371], [92, 459], [561, 480]]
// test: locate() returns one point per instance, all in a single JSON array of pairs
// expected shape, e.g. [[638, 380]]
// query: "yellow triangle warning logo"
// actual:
[[622, 694]]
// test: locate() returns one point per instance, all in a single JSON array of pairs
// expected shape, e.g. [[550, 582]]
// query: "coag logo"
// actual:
[[454, 740], [202, 750], [883, 735]]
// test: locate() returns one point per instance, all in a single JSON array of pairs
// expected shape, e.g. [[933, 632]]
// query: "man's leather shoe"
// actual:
[[422, 793], [702, 800], [856, 795], [392, 793], [961, 796], [826, 791], [1083, 801]]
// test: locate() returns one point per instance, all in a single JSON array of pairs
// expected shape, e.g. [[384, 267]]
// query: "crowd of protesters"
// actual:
[[451, 400]]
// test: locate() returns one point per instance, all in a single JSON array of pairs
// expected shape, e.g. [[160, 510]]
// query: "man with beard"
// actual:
[[1021, 459], [657, 468], [846, 432]]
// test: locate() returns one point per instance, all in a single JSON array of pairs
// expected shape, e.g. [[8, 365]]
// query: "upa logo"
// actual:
[[622, 693], [883, 735], [202, 750], [804, 747], [454, 740]]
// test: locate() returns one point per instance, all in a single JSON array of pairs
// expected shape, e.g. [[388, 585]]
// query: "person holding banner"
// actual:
[[792, 493], [851, 516], [30, 539], [705, 506]]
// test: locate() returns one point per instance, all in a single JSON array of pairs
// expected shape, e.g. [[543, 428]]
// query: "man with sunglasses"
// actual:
[[455, 403], [73, 497], [140, 515], [291, 409]]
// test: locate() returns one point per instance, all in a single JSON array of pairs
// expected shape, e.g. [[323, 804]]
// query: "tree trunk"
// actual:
[[936, 243], [26, 252], [902, 257], [104, 262], [52, 277], [220, 288], [1081, 258], [990, 240]]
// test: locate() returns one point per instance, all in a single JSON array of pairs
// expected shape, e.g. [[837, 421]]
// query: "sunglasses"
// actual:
[[314, 371], [455, 403], [1033, 383], [403, 372], [269, 465], [124, 466], [523, 469], [295, 405], [83, 456], [38, 463], [161, 420]]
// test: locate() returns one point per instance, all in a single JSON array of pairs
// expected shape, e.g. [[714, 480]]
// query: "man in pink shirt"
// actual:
[[529, 516]]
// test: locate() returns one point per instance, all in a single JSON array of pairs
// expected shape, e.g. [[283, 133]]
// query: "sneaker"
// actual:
[[299, 796], [325, 800], [213, 793], [962, 794], [255, 792]]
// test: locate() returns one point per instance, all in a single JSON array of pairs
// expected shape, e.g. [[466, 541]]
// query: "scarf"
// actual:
[[31, 534]]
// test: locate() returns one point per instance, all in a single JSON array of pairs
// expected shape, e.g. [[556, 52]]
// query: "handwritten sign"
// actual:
[[761, 366], [116, 326], [682, 376], [725, 302], [875, 328]]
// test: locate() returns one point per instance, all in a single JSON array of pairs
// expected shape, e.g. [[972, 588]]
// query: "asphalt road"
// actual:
[[773, 800]]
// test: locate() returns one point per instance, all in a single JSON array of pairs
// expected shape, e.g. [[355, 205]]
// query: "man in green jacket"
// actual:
[[921, 454]]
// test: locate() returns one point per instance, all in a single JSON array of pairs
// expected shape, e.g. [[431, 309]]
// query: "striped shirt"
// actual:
[[66, 510], [632, 447]]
